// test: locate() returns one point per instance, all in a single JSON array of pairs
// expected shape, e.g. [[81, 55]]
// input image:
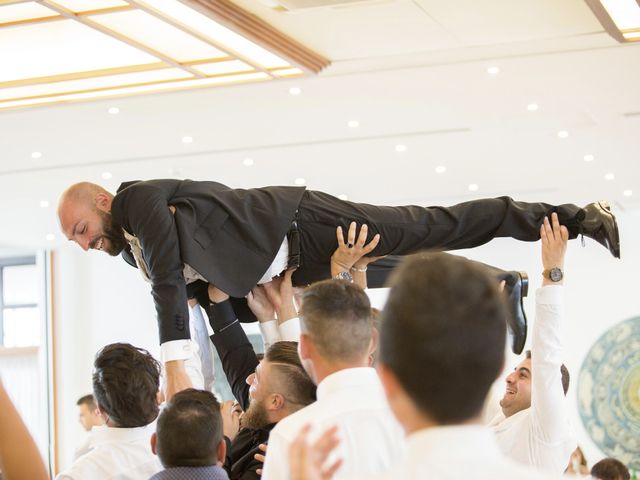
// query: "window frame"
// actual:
[[12, 262]]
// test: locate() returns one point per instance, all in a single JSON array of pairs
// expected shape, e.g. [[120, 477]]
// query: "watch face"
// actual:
[[555, 274], [344, 276]]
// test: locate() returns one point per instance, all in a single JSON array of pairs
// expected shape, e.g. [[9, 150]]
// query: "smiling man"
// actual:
[[533, 427], [181, 231]]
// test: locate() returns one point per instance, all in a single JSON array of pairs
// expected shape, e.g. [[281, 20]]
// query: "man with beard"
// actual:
[[182, 231]]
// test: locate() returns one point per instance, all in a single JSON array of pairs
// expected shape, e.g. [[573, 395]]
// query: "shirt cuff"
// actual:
[[290, 330], [550, 295], [270, 333], [175, 350]]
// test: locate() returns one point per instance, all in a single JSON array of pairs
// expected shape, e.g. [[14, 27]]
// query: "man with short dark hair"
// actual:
[[89, 417], [533, 427], [188, 438], [125, 386], [610, 469], [335, 343]]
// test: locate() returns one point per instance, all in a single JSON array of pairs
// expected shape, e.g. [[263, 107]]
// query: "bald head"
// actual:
[[84, 211]]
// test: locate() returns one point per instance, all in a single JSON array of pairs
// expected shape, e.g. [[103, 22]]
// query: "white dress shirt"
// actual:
[[352, 399], [117, 454], [541, 435], [457, 453]]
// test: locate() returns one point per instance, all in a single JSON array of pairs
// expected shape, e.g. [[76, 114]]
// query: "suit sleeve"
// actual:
[[149, 218], [236, 353]]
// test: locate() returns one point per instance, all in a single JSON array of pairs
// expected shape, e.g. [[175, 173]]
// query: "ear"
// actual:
[[103, 202], [154, 441], [222, 451], [304, 347], [276, 402], [373, 345]]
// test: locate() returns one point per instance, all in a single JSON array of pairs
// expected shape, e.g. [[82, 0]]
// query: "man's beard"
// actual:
[[114, 233], [256, 416]]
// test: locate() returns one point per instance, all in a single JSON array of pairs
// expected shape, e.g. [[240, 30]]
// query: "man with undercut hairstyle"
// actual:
[[533, 427], [180, 231], [335, 343], [610, 469], [125, 385], [188, 438]]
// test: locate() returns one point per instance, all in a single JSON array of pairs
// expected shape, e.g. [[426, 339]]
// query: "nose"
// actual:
[[250, 378], [84, 244], [510, 378]]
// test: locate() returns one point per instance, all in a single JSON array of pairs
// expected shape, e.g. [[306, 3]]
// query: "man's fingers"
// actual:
[[339, 236], [330, 472], [372, 244], [362, 236], [351, 235], [259, 457], [564, 233]]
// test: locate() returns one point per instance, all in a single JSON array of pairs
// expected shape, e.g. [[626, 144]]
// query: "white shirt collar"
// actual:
[[453, 441], [352, 378], [103, 434]]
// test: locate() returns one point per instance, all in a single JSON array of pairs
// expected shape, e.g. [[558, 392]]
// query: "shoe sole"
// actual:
[[523, 278], [616, 247]]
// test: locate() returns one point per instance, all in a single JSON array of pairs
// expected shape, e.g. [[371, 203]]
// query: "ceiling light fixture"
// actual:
[[299, 181], [441, 169], [114, 110], [187, 139], [36, 155], [589, 158], [493, 70], [532, 107], [44, 203], [609, 176], [247, 162], [50, 237], [627, 193], [68, 50], [563, 134], [106, 175], [401, 148], [473, 187], [620, 18], [295, 91], [353, 123]]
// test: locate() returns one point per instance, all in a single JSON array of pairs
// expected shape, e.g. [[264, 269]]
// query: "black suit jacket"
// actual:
[[230, 236]]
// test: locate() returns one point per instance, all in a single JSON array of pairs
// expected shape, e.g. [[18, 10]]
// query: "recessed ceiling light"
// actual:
[[187, 139], [299, 181], [353, 123], [401, 148], [589, 158], [247, 162], [627, 193], [563, 134], [295, 91], [50, 237], [36, 154], [114, 110], [441, 169], [532, 107], [342, 196], [609, 176], [106, 175], [473, 187], [493, 70], [44, 203]]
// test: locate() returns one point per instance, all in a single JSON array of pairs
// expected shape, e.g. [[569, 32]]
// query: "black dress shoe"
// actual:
[[600, 224], [516, 288]]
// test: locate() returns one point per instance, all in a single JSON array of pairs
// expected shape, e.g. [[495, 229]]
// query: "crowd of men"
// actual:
[[342, 391]]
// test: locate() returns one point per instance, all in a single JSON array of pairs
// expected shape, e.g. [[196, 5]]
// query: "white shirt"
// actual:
[[117, 454], [541, 435], [455, 453], [352, 399]]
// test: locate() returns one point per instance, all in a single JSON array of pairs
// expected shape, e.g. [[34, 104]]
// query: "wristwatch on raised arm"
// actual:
[[344, 276], [554, 274]]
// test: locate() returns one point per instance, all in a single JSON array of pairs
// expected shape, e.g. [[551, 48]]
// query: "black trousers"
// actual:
[[408, 229]]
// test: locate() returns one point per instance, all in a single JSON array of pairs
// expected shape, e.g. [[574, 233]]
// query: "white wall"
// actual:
[[99, 300]]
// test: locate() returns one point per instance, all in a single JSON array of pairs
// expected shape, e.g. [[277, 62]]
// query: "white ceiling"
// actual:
[[412, 73]]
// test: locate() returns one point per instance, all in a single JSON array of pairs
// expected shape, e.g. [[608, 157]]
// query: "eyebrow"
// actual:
[[525, 369]]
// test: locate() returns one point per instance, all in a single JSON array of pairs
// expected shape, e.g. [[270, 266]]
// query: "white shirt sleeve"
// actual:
[[290, 330], [270, 333], [548, 404], [175, 350], [276, 464]]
